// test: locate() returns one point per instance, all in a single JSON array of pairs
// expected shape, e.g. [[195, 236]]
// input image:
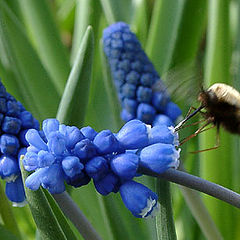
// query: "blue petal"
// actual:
[[159, 157], [162, 119], [97, 168], [172, 111], [78, 180], [106, 142], [163, 134], [146, 113], [133, 135], [72, 166], [109, 183], [125, 165], [9, 144], [45, 159], [72, 135], [57, 143], [140, 200], [11, 125], [89, 132], [27, 119], [33, 181], [50, 125], [53, 179], [9, 167], [127, 116], [85, 149], [30, 161], [15, 191], [34, 139]]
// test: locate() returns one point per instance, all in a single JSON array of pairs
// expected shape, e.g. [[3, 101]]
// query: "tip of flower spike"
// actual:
[[151, 209], [175, 134], [19, 204], [175, 163]]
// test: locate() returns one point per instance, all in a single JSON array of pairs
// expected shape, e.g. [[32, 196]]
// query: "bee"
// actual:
[[219, 106]]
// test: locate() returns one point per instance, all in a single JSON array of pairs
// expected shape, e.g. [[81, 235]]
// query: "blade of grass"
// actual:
[[30, 79], [163, 32], [44, 33], [117, 10], [60, 216], [217, 69], [7, 216], [164, 219], [6, 235], [46, 221], [87, 13], [74, 101]]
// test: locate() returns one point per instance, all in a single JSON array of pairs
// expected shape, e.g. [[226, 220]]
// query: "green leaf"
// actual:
[[217, 69], [87, 13], [117, 10], [164, 220], [7, 235], [46, 221], [60, 216], [31, 76], [163, 32], [74, 101], [190, 32], [47, 42], [7, 216]]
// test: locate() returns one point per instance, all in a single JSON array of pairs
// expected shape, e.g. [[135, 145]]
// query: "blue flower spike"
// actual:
[[75, 156], [14, 123], [140, 90], [140, 200]]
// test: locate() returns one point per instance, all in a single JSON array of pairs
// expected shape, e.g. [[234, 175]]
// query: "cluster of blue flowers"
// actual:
[[141, 91], [75, 156], [14, 122]]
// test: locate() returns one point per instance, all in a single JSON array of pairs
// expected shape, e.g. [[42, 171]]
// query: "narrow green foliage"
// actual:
[[190, 32], [7, 216], [60, 216], [75, 97], [87, 13], [7, 235], [162, 34], [46, 221], [45, 36], [216, 164], [32, 78], [117, 10], [164, 222]]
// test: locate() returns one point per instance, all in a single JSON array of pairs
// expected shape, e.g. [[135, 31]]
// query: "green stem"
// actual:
[[164, 220]]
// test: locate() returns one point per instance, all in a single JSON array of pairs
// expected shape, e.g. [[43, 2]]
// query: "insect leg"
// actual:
[[217, 145], [201, 129]]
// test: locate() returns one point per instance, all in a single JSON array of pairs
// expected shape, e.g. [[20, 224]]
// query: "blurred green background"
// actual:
[[39, 43]]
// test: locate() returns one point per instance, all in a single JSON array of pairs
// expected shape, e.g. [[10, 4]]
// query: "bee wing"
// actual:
[[182, 83]]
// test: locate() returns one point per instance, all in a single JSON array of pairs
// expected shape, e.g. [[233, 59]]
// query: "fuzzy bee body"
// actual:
[[222, 105]]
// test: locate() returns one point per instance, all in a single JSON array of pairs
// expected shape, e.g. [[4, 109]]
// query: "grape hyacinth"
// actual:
[[14, 122], [141, 91], [65, 154]]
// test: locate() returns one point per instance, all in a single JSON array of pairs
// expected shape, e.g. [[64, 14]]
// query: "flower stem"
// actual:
[[71, 210], [199, 184], [164, 220]]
